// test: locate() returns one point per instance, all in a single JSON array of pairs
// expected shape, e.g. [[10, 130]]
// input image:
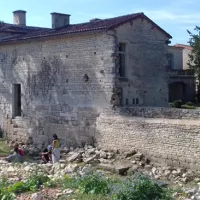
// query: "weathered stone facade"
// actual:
[[146, 64], [67, 81], [166, 136]]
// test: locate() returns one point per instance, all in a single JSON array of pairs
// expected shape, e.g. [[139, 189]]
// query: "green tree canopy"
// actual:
[[194, 56]]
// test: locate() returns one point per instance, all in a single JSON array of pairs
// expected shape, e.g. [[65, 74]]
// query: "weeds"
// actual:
[[141, 188], [94, 183], [69, 182], [8, 191]]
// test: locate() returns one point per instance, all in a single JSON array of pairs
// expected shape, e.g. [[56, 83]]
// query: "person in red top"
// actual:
[[17, 156]]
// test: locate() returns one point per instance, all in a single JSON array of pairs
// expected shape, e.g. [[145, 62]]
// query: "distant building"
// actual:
[[181, 78]]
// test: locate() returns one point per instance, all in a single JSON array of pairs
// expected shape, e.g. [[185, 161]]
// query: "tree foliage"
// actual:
[[194, 56]]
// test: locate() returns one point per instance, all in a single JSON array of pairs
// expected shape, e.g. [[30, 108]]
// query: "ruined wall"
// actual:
[[165, 135], [146, 63], [65, 83]]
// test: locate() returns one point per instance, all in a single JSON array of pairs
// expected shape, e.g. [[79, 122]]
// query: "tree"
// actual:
[[194, 56]]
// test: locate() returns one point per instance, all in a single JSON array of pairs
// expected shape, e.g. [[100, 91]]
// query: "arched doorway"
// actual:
[[177, 91]]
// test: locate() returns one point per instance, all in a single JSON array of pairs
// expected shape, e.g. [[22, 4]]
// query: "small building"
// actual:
[[182, 80], [59, 79]]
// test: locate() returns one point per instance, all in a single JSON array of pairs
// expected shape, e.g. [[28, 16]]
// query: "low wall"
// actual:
[[170, 136]]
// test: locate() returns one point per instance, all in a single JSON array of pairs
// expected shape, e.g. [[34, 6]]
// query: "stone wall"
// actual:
[[145, 64], [169, 136], [65, 82]]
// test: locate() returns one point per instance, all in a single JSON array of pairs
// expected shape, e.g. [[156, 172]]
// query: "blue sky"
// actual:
[[174, 16]]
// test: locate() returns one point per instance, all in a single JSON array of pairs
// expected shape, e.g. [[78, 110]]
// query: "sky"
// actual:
[[174, 16]]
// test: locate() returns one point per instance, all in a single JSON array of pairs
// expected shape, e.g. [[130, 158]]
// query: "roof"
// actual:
[[183, 46], [96, 25], [13, 28]]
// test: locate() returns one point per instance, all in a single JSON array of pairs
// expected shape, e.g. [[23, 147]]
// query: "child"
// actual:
[[46, 154], [17, 156]]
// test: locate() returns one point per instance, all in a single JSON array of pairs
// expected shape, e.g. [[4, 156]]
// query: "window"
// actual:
[[16, 105], [122, 59], [137, 101], [170, 59], [133, 101]]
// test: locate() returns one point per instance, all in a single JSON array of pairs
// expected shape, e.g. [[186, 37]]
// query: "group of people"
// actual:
[[49, 154]]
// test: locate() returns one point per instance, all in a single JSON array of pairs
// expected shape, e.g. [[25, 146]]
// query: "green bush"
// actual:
[[94, 183], [177, 103], [18, 187], [51, 183], [189, 103], [141, 188], [188, 107], [34, 182], [69, 182], [4, 193]]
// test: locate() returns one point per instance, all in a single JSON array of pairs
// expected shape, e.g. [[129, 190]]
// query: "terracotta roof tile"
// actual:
[[183, 46], [96, 25]]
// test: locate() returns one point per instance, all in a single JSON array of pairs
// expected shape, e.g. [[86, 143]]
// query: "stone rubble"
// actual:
[[80, 160]]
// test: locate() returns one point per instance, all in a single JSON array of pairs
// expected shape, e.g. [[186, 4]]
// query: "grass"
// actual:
[[84, 197], [4, 149]]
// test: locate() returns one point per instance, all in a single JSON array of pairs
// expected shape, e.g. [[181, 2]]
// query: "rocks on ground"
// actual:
[[81, 160]]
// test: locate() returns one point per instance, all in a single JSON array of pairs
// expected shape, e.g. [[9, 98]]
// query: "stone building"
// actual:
[[59, 79], [182, 81]]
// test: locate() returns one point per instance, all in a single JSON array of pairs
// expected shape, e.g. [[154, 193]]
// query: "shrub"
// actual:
[[69, 182], [51, 183], [141, 188], [177, 104], [5, 194], [94, 183], [188, 107], [189, 103], [18, 187], [33, 183]]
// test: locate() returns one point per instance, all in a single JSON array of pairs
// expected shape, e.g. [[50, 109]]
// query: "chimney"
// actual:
[[59, 20], [19, 17]]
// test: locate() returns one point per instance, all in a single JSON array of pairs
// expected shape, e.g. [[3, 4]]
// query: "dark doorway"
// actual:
[[16, 100], [176, 91]]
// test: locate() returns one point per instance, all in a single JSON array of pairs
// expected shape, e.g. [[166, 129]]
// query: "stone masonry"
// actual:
[[63, 89], [166, 136], [146, 64], [67, 80]]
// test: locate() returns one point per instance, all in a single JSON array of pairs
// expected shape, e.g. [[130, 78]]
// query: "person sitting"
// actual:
[[47, 154], [17, 156]]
